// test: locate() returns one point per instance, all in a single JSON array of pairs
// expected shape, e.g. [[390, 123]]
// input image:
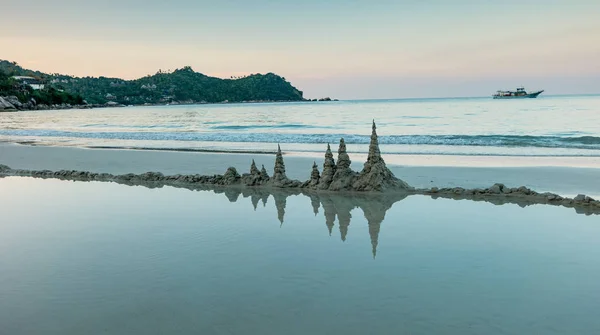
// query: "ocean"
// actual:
[[552, 126]]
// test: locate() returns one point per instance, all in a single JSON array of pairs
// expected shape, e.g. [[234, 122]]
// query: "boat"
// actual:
[[520, 93]]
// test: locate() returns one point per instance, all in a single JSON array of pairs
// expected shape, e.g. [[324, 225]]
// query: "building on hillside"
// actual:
[[36, 84]]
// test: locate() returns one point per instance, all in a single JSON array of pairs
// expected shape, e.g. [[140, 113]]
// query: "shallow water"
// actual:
[[547, 126], [100, 258]]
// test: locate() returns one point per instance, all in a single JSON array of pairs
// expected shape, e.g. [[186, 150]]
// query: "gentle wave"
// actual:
[[265, 126], [581, 142], [115, 126]]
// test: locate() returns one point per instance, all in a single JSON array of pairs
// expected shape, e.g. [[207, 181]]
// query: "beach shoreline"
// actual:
[[563, 180]]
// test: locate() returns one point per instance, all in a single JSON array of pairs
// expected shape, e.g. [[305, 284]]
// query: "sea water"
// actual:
[[546, 126], [101, 258]]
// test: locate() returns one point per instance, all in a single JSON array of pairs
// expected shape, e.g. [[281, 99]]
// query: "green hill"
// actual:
[[48, 96], [182, 85]]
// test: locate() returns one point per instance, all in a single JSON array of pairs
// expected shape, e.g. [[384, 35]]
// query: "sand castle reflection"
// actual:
[[337, 208], [332, 206]]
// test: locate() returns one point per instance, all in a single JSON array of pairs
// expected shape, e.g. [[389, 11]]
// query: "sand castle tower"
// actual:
[[328, 170], [344, 176], [375, 175]]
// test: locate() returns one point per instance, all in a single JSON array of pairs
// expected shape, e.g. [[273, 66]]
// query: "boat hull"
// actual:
[[525, 96]]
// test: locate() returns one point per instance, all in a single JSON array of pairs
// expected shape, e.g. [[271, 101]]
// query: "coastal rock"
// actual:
[[375, 175], [6, 105], [344, 176], [13, 100], [328, 170]]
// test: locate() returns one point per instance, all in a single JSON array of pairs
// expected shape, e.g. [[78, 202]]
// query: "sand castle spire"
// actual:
[[344, 176], [254, 178], [374, 152], [253, 169], [279, 170], [375, 175], [328, 169], [343, 158], [315, 176], [263, 173], [279, 178]]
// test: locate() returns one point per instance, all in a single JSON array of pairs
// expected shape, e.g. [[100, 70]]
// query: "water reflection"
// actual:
[[333, 207], [339, 207]]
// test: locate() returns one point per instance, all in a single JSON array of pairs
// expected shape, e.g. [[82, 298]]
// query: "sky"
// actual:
[[350, 49]]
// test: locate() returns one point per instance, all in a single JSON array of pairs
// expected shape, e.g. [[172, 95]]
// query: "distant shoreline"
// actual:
[[116, 105]]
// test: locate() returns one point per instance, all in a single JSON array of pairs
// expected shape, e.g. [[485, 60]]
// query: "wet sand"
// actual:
[[104, 258]]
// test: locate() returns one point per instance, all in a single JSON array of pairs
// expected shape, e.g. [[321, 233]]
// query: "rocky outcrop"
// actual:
[[375, 175], [12, 103], [13, 100], [5, 105]]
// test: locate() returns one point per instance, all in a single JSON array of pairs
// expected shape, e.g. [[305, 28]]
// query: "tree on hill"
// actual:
[[165, 86], [48, 96]]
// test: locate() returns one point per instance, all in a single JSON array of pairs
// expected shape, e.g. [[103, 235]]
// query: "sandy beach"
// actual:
[[420, 171]]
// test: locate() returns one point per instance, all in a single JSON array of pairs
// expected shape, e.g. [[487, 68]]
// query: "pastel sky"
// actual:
[[350, 49]]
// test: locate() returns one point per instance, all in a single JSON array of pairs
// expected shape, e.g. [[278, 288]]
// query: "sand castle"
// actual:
[[375, 177]]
